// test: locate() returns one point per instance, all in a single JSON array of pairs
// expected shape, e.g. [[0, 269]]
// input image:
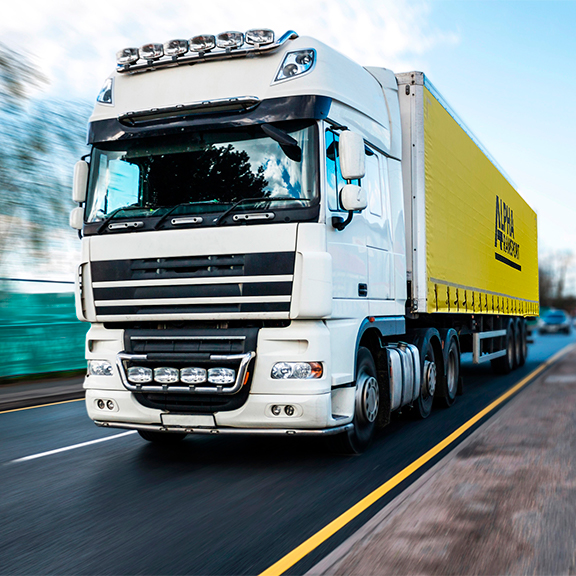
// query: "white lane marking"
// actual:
[[73, 447]]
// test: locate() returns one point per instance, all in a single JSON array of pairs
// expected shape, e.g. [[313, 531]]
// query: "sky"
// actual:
[[506, 67]]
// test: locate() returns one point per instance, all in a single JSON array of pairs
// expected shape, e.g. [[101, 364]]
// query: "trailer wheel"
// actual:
[[450, 384], [523, 345], [428, 380], [505, 364], [162, 437], [366, 406]]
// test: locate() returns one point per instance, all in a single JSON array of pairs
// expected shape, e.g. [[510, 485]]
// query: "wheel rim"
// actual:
[[451, 378], [368, 398], [430, 377]]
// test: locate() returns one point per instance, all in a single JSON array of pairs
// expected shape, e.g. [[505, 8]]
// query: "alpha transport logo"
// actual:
[[504, 235]]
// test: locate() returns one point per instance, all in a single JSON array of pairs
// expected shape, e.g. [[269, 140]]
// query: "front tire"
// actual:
[[428, 381], [366, 407]]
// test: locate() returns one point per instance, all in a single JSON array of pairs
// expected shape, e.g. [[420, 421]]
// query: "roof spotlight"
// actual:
[[202, 43], [230, 40], [152, 51], [261, 37], [127, 56], [175, 47]]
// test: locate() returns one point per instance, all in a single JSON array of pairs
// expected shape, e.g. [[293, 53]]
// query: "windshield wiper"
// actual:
[[174, 208], [114, 212], [288, 144], [245, 200]]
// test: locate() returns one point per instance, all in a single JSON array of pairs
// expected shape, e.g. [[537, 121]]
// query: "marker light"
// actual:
[[193, 375], [261, 37], [230, 40], [151, 51], [127, 56], [297, 370], [166, 375], [295, 64], [105, 94], [202, 43], [99, 368], [139, 374], [175, 47], [221, 375]]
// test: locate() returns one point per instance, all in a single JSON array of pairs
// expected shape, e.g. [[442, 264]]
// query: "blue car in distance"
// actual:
[[556, 321]]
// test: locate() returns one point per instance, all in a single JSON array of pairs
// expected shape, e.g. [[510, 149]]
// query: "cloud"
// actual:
[[74, 41]]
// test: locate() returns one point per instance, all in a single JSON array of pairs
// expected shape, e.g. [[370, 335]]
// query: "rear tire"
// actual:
[[505, 364], [451, 382], [162, 437], [523, 341], [428, 380], [366, 407]]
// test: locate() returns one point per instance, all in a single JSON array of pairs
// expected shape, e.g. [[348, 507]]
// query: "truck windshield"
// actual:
[[202, 172]]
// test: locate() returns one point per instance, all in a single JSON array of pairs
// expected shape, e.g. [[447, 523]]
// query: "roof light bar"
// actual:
[[260, 37], [175, 48], [230, 40], [152, 51], [203, 43], [201, 48]]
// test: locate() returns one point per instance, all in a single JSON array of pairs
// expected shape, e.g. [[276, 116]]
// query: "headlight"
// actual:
[[193, 375], [296, 64], [166, 375], [139, 374], [99, 368], [297, 370], [221, 376]]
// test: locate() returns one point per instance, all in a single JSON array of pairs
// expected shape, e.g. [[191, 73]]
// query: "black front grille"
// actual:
[[190, 404]]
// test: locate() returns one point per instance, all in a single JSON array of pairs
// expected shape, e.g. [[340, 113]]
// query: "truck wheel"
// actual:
[[517, 342], [523, 341], [449, 387], [162, 437], [505, 364], [428, 381], [366, 406]]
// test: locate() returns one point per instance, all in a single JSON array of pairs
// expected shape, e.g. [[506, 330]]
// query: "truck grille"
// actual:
[[193, 287]]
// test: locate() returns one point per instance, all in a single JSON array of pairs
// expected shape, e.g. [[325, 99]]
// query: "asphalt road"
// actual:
[[209, 506]]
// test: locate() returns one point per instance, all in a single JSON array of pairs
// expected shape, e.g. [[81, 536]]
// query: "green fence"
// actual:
[[40, 333]]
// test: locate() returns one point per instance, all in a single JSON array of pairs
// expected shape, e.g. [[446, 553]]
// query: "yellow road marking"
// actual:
[[41, 406], [330, 529]]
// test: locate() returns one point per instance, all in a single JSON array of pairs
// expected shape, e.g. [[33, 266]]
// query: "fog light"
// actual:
[[297, 370], [289, 410], [101, 404], [193, 375], [221, 375], [139, 374], [99, 368], [166, 375], [110, 405], [276, 410]]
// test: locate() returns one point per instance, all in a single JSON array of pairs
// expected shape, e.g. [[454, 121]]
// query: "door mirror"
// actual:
[[77, 218], [351, 151], [80, 182], [353, 198]]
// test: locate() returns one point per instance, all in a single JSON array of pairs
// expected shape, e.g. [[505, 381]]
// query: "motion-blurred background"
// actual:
[[506, 67]]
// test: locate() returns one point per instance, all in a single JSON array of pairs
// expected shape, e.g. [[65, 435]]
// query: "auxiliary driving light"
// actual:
[[99, 368], [230, 40], [193, 375], [202, 43], [221, 376], [139, 374], [166, 375], [127, 56], [175, 47], [295, 64], [151, 51], [276, 410], [261, 37], [297, 370]]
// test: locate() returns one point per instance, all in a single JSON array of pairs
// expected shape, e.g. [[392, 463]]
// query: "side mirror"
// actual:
[[77, 218], [351, 149], [80, 182], [353, 198]]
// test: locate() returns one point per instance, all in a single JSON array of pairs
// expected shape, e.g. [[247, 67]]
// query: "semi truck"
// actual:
[[277, 240]]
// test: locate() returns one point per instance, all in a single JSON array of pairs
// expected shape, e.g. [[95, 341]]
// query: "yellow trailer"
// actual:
[[472, 243]]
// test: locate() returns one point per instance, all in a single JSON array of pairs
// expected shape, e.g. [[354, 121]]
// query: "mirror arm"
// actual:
[[339, 223]]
